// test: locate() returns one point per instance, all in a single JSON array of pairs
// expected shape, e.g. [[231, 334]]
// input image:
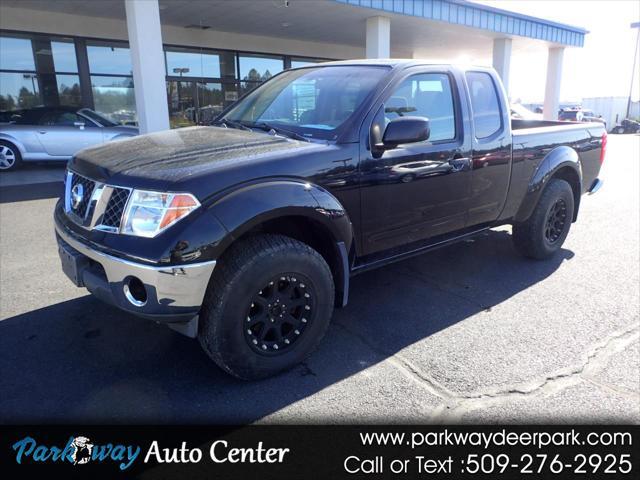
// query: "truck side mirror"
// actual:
[[405, 130]]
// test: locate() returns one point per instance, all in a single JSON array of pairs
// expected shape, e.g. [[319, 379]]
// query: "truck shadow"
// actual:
[[38, 191], [83, 361]]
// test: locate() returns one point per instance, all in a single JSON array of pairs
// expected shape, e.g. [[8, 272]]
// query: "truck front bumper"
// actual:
[[162, 293]]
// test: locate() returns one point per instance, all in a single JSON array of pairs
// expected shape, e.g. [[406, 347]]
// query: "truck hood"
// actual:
[[163, 159]]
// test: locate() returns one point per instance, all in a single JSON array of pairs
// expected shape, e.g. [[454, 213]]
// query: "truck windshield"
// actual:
[[312, 102]]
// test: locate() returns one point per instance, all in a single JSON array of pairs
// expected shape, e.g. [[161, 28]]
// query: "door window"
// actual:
[[60, 119], [487, 116], [425, 95]]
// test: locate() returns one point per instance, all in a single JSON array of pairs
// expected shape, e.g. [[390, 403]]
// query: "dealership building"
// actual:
[[172, 63]]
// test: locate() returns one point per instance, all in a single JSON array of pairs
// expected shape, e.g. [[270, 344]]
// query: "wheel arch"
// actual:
[[15, 142], [299, 210], [562, 162]]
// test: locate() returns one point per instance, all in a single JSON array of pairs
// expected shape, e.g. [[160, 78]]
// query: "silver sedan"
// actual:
[[53, 133]]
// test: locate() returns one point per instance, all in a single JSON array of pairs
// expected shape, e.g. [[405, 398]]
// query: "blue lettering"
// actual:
[[67, 453], [101, 452], [41, 453], [28, 447], [132, 454], [24, 447]]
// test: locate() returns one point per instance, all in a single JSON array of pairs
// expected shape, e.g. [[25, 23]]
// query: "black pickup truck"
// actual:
[[245, 233]]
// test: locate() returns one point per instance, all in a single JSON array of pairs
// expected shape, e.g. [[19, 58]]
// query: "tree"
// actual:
[[252, 76], [7, 103]]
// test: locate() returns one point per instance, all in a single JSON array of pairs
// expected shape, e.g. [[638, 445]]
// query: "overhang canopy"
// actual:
[[461, 12], [434, 29]]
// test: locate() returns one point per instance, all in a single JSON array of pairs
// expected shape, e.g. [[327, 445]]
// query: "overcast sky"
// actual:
[[601, 68]]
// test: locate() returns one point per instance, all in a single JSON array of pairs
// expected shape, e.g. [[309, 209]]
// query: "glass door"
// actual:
[[182, 103], [199, 101]]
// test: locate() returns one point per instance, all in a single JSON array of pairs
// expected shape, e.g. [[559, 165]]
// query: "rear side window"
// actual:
[[485, 103], [425, 95]]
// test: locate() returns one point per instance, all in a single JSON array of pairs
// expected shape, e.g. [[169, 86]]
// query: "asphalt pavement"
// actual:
[[469, 333]]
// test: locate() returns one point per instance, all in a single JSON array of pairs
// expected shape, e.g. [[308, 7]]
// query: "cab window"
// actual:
[[425, 95], [487, 116]]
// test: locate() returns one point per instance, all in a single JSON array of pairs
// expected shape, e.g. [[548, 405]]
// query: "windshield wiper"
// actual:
[[230, 123], [282, 131]]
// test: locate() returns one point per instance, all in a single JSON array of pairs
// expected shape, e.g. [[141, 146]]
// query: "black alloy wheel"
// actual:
[[556, 221], [267, 307], [546, 229], [279, 314]]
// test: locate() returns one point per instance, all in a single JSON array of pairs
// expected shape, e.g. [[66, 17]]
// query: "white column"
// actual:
[[502, 59], [378, 37], [147, 58], [552, 87]]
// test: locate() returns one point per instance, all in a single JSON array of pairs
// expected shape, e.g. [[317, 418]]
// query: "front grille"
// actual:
[[80, 209], [115, 208]]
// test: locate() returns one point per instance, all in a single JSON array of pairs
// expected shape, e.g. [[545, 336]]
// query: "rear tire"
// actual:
[[10, 158], [268, 305], [543, 234]]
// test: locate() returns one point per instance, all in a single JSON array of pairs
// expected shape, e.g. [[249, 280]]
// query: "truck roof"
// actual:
[[399, 63]]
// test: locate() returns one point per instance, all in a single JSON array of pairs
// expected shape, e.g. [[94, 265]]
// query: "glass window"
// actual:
[[485, 103], [196, 64], [425, 95], [96, 117], [64, 56], [312, 102], [69, 90], [181, 103], [59, 118], [114, 98], [258, 68], [109, 59], [246, 87], [16, 54], [198, 103], [210, 102], [19, 90]]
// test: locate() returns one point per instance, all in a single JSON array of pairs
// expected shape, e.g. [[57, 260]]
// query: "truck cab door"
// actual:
[[416, 191], [491, 166]]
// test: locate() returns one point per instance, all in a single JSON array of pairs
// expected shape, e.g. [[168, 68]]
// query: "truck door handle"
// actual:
[[459, 164], [42, 131]]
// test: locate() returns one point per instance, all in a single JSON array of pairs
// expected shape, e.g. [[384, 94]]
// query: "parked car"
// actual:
[[245, 234], [53, 133], [627, 126], [580, 115]]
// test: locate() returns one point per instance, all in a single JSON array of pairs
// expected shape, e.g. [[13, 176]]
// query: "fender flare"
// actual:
[[559, 158], [250, 205]]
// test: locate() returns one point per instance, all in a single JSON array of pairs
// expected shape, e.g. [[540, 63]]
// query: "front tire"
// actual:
[[543, 234], [268, 305], [10, 158]]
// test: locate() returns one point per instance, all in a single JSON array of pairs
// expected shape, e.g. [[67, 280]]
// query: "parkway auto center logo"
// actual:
[[78, 450]]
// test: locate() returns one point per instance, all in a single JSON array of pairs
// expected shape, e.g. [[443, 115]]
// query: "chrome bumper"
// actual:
[[174, 293]]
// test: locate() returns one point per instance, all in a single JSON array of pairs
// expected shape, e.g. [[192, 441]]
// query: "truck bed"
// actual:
[[533, 140], [519, 124]]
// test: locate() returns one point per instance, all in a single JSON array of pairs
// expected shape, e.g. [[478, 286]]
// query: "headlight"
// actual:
[[149, 213]]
